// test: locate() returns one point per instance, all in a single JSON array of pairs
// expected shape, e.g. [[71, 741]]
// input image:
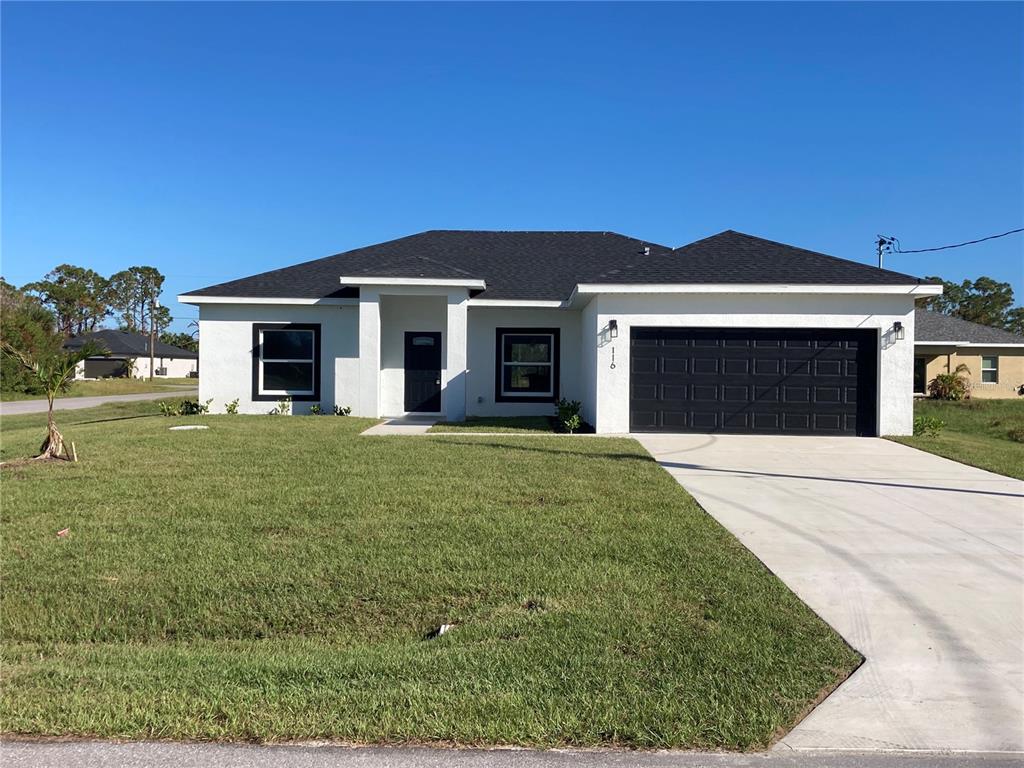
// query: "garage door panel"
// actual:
[[802, 381]]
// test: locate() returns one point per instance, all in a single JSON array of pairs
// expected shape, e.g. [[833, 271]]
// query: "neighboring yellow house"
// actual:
[[995, 358]]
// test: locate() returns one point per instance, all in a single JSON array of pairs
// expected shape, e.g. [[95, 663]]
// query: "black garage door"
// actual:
[[745, 380], [103, 367]]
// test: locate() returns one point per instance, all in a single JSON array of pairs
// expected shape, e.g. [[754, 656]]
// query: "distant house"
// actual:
[[132, 348], [994, 357], [732, 333]]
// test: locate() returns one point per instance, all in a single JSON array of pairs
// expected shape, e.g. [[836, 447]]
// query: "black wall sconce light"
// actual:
[[613, 329], [898, 330]]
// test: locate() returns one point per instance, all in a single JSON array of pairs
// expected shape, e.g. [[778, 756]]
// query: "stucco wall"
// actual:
[[225, 352], [177, 367], [483, 322], [895, 364], [1011, 369]]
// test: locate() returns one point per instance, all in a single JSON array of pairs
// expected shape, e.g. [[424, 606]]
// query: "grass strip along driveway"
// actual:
[[977, 432], [280, 578]]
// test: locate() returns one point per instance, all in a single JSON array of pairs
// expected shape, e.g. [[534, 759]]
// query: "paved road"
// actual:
[[93, 754], [916, 560], [17, 407]]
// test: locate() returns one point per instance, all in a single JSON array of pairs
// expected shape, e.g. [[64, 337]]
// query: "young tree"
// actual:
[[25, 324], [76, 296], [54, 371]]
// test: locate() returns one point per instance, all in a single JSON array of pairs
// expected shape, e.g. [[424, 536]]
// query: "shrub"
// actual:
[[1016, 434], [232, 407], [315, 410], [951, 386], [342, 411], [927, 426], [283, 407], [569, 414], [185, 408]]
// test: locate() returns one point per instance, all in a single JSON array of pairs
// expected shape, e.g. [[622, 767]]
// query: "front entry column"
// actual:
[[454, 392], [369, 352]]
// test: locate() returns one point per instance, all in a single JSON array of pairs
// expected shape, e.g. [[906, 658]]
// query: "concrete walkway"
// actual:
[[17, 407], [99, 754], [916, 560], [405, 425]]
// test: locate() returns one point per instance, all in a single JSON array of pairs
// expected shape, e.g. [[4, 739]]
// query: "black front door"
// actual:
[[423, 372]]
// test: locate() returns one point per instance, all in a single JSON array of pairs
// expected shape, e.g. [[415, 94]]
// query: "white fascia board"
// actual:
[[429, 281], [188, 299], [910, 290], [981, 344], [1008, 344], [526, 303]]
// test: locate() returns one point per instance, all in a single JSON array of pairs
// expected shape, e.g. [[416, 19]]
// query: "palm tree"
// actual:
[[54, 370]]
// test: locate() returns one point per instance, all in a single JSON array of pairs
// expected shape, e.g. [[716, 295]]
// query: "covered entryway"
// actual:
[[753, 380]]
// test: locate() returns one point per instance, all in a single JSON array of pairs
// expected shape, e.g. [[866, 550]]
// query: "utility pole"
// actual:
[[152, 326], [881, 249]]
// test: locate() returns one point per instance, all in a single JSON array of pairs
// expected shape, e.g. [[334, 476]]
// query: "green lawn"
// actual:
[[510, 424], [278, 578], [976, 433], [110, 387]]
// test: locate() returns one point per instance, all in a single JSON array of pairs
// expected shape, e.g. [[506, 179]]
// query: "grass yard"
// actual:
[[510, 424], [111, 387], [976, 433], [278, 578]]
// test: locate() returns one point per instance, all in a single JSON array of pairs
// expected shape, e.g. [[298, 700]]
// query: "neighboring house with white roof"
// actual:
[[732, 333], [994, 357]]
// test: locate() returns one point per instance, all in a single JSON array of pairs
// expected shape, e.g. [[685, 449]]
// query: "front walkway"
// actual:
[[404, 425], [17, 407], [916, 560]]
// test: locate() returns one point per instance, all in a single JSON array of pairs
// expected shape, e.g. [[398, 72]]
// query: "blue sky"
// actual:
[[215, 141]]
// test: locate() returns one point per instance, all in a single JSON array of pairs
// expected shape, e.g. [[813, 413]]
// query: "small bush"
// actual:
[[927, 426], [232, 407], [184, 408], [569, 415], [1016, 434], [315, 410], [342, 411], [283, 407], [951, 386]]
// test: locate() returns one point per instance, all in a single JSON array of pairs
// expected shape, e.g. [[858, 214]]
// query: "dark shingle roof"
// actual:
[[548, 265], [936, 327], [130, 344]]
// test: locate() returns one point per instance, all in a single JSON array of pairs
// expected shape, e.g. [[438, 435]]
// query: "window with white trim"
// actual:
[[527, 364], [990, 369], [286, 361]]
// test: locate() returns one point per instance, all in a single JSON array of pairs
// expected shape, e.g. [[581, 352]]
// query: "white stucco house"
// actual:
[[128, 355], [732, 333]]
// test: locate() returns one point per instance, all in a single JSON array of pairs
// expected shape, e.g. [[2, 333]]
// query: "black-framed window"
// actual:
[[526, 365], [286, 361]]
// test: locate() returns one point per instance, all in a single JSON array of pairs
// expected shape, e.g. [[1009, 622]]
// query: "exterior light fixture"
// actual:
[[613, 329], [898, 330]]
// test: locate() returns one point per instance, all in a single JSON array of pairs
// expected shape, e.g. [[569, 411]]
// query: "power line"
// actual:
[[892, 244]]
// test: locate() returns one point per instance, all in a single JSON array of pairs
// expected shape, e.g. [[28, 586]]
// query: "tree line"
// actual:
[[984, 301], [40, 316]]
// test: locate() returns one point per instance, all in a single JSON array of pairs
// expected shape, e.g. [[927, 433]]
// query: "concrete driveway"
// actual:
[[916, 560]]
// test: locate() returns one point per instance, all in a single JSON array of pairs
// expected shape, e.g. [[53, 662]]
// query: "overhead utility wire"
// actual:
[[890, 244]]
